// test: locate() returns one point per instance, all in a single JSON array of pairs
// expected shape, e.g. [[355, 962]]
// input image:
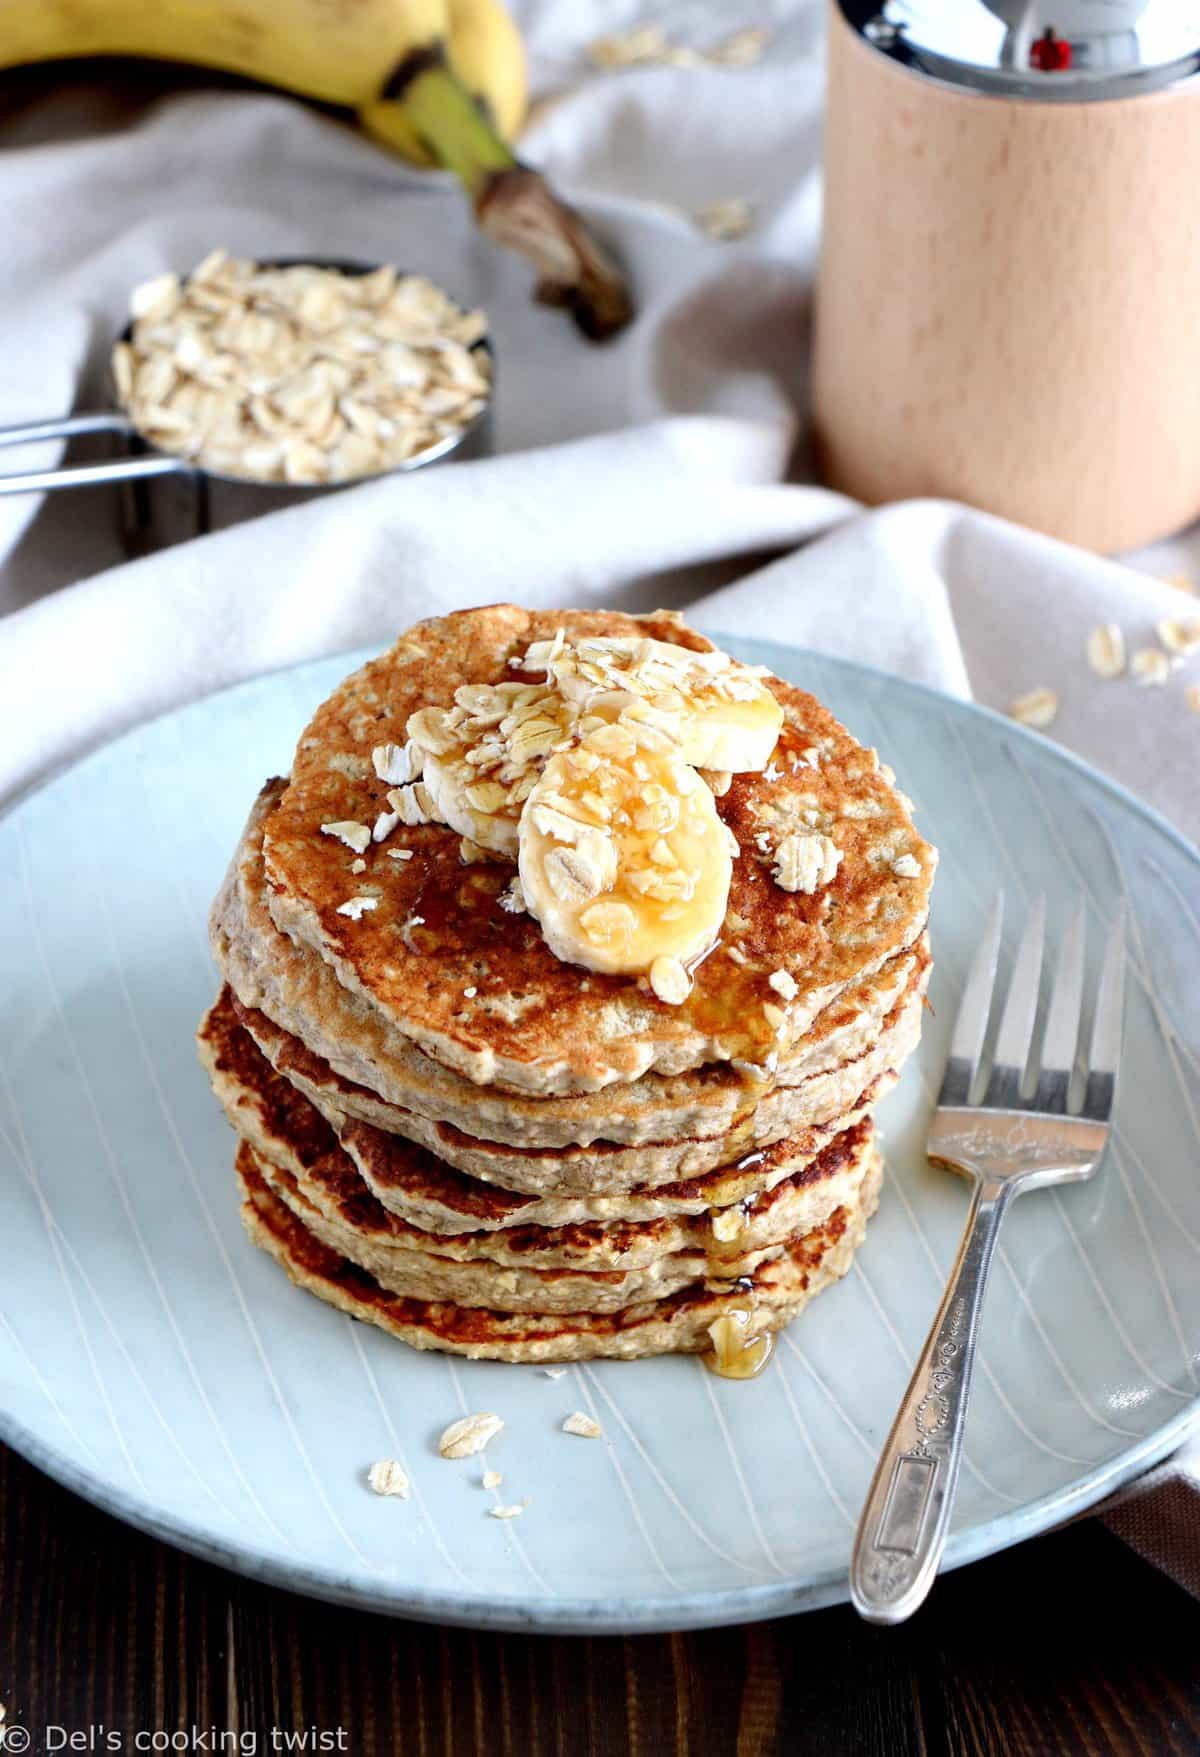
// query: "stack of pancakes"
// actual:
[[450, 1132]]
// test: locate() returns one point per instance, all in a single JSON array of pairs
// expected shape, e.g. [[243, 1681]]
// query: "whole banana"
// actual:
[[442, 81]]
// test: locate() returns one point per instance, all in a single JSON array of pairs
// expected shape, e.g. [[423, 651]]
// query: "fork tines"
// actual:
[[1023, 1074]]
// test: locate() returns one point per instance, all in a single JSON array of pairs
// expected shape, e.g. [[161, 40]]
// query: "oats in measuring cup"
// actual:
[[299, 374]]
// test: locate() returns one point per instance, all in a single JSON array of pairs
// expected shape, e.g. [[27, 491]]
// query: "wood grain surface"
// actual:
[[1069, 1644]]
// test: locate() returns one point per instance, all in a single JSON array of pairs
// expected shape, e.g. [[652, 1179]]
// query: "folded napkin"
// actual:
[[654, 470]]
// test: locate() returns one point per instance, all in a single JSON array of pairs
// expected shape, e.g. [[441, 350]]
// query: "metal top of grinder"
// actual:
[[1051, 51]]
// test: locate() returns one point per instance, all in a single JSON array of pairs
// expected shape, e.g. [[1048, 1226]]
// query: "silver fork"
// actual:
[[1041, 1119]]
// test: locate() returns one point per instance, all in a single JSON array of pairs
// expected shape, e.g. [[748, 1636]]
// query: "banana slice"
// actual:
[[623, 859], [483, 755], [712, 711]]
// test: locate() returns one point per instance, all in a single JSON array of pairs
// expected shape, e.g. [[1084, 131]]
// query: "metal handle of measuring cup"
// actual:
[[83, 475]]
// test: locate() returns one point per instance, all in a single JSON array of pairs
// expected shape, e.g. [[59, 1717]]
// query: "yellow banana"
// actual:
[[442, 80], [341, 56]]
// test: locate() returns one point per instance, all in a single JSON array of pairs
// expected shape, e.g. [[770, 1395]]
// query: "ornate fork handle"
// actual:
[[903, 1528]]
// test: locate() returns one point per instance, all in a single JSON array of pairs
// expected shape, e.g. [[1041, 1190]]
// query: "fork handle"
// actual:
[[903, 1526]]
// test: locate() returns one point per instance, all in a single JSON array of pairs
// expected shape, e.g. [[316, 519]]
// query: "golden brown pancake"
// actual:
[[870, 1028], [765, 1199], [778, 1290], [447, 1131], [534, 1024]]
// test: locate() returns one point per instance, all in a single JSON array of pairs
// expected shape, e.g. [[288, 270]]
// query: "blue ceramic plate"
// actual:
[[155, 1362]]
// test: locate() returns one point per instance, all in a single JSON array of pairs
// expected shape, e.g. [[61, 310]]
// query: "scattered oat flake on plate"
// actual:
[[906, 866], [583, 1425], [1037, 708], [354, 835], [491, 1479], [1106, 650], [1180, 635], [554, 1372], [726, 220], [513, 1512], [399, 853], [386, 1477], [470, 1434], [784, 984], [1150, 666]]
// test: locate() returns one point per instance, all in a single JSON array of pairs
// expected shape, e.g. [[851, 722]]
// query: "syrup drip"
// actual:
[[736, 1352], [726, 1245]]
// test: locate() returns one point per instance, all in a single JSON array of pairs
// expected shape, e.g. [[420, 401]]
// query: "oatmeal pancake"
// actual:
[[560, 981], [300, 994], [757, 1203], [428, 945], [778, 1290]]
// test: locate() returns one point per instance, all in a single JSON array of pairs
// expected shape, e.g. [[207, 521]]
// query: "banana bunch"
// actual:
[[440, 81]]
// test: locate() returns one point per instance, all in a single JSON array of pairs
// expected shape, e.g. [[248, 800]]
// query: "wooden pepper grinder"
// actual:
[[1008, 308]]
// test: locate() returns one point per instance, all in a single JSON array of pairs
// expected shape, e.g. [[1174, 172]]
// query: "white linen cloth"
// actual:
[[652, 470]]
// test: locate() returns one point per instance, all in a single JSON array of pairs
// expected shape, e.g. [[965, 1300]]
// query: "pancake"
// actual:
[[441, 965], [399, 1178], [300, 993], [445, 1130], [369, 1128], [778, 1290], [774, 1194], [340, 1222]]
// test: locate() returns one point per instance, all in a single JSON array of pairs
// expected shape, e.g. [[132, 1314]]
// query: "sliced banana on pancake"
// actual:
[[623, 859], [713, 712], [483, 755]]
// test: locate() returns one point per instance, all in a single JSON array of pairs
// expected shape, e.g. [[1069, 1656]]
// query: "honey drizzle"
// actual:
[[726, 1246], [736, 1353]]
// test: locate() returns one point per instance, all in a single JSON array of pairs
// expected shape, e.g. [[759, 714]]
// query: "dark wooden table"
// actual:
[[1070, 1644]]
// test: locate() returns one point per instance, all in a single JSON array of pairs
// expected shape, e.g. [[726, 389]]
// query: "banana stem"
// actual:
[[451, 124], [514, 205]]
